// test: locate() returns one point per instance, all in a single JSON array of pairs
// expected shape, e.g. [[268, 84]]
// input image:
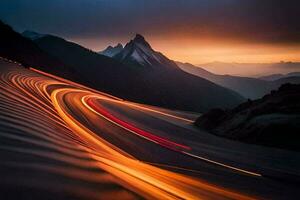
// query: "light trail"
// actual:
[[111, 97], [131, 128], [151, 180], [52, 125], [135, 105], [87, 101], [222, 164]]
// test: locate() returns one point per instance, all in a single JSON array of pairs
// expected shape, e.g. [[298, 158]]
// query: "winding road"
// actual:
[[61, 140]]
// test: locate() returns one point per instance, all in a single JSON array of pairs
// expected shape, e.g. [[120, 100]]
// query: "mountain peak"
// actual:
[[109, 47], [138, 52], [139, 37], [111, 51], [119, 45]]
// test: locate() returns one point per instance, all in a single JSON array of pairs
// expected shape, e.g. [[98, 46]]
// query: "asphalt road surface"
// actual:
[[61, 140]]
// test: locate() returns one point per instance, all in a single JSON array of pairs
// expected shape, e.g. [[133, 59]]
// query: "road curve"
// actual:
[[102, 147]]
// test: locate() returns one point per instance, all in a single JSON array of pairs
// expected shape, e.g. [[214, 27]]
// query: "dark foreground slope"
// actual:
[[162, 85], [15, 47], [273, 120]]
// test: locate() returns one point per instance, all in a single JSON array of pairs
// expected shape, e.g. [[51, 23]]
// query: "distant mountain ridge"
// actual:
[[251, 69], [274, 77], [252, 88]]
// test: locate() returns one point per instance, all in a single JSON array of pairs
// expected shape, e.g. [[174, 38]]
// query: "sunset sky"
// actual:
[[196, 31]]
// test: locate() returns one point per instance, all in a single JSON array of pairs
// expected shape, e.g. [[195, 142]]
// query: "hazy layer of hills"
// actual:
[[251, 69], [274, 77], [273, 120], [252, 88]]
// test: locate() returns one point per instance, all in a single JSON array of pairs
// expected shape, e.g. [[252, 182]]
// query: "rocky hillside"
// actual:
[[273, 120]]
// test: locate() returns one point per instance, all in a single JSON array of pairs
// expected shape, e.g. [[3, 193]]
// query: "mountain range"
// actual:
[[139, 53], [274, 77], [251, 88], [251, 69], [155, 82], [118, 70], [159, 83]]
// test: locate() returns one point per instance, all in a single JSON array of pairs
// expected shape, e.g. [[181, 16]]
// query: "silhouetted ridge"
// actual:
[[18, 48], [111, 51], [32, 35], [273, 120]]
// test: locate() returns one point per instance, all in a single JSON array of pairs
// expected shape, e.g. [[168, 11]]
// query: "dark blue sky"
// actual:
[[105, 21]]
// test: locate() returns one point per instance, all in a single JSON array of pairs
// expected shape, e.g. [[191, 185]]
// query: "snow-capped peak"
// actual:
[[138, 52]]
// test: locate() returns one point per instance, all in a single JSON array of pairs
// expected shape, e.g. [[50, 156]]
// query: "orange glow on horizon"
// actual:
[[197, 50]]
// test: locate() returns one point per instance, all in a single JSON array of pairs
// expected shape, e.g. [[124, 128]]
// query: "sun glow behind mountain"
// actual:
[[195, 50], [190, 31], [204, 50]]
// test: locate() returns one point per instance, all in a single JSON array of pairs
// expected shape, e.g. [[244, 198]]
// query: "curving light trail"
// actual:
[[61, 117], [131, 128]]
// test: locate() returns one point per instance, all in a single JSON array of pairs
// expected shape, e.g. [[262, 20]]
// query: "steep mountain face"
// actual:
[[139, 54], [248, 87], [112, 51], [97, 71], [273, 120], [18, 48], [155, 80]]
